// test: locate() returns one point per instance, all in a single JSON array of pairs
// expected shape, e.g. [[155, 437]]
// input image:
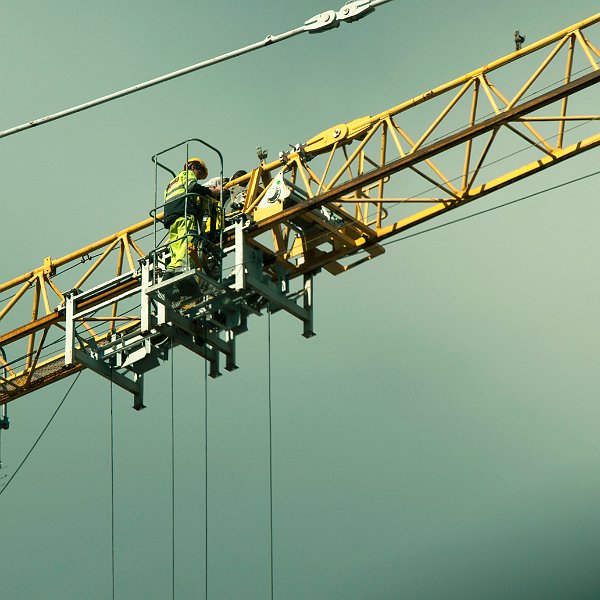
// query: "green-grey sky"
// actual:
[[437, 439]]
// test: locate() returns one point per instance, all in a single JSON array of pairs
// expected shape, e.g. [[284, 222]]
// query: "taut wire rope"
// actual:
[[205, 474], [492, 208], [270, 446], [172, 470], [112, 487]]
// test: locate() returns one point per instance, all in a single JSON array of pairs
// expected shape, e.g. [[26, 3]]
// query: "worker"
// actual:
[[186, 203]]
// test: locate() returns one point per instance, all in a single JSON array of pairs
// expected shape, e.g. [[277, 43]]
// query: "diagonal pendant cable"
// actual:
[[352, 11], [112, 489], [41, 434], [270, 445]]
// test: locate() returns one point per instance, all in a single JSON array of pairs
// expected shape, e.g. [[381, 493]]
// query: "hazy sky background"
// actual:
[[437, 439]]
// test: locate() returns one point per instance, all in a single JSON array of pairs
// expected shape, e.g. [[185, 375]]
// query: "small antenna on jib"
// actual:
[[261, 153], [519, 39]]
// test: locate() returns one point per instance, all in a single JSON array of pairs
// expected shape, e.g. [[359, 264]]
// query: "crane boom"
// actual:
[[329, 203]]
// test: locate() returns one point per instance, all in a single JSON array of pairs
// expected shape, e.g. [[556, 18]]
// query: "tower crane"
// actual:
[[328, 203]]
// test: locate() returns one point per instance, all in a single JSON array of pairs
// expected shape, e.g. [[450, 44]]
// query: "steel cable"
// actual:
[[270, 446], [112, 488], [172, 470], [41, 435]]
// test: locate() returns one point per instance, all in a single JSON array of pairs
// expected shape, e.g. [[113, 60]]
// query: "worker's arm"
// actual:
[[214, 191]]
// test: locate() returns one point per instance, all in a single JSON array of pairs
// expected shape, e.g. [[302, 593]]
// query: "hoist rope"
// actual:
[[270, 446], [172, 470], [1, 454], [41, 434], [205, 474], [112, 487], [307, 27]]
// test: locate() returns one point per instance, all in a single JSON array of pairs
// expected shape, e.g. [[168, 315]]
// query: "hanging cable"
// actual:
[[3, 416], [41, 434], [270, 445], [3, 476], [172, 470], [205, 474], [321, 22], [112, 488]]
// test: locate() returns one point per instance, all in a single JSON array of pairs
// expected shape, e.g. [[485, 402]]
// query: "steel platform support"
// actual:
[[190, 309]]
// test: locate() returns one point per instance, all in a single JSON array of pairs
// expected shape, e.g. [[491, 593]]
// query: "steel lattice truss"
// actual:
[[458, 142], [330, 202]]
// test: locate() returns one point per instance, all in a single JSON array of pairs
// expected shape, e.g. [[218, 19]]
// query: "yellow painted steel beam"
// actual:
[[50, 265], [431, 151]]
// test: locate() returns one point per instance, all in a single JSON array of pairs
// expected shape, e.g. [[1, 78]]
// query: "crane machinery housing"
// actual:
[[328, 204]]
